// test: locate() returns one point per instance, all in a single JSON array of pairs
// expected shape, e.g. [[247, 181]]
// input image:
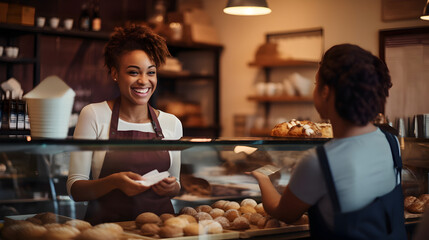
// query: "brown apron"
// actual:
[[117, 206]]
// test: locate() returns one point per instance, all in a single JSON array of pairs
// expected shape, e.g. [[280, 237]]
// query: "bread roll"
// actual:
[[79, 224], [224, 222], [249, 201], [188, 210], [64, 232], [149, 229], [262, 221], [147, 217], [165, 216], [31, 231], [254, 218], [231, 214], [170, 231], [294, 128], [247, 209], [193, 229], [260, 209], [190, 218], [240, 223], [203, 208], [417, 207], [216, 212], [231, 205], [408, 201], [97, 234], [47, 217], [180, 222], [213, 227], [111, 227], [302, 220], [220, 204], [424, 198], [272, 223], [203, 216]]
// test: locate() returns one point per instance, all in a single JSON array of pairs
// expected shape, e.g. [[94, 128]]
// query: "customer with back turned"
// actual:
[[350, 186], [132, 56]]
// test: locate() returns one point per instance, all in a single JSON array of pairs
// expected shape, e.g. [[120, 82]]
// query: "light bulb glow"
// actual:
[[247, 10]]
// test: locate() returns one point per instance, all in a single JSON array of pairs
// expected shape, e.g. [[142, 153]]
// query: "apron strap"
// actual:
[[115, 118], [324, 164], [395, 153]]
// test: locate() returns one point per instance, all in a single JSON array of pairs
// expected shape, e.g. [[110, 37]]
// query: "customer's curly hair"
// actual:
[[134, 37], [360, 81]]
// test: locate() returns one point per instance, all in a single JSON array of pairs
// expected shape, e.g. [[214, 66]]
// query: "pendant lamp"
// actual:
[[425, 15], [247, 7]]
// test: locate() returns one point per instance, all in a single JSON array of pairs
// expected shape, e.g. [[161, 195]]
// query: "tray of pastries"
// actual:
[[223, 219], [302, 129]]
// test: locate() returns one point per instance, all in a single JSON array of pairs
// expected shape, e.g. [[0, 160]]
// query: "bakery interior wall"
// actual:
[[356, 22]]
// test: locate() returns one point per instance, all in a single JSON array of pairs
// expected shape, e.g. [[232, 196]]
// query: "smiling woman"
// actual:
[[132, 56]]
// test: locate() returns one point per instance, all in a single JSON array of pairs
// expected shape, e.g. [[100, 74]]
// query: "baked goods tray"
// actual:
[[130, 231], [254, 231]]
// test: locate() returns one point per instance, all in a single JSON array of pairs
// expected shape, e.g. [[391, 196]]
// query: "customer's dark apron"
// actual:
[[117, 206], [381, 219]]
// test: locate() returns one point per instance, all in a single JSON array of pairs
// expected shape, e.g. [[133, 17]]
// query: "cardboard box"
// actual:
[[3, 12], [20, 14], [201, 33]]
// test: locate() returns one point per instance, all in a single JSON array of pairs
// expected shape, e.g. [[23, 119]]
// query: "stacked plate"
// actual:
[[49, 108]]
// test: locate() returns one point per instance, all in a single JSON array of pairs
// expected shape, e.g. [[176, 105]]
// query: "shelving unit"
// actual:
[[269, 64], [168, 80]]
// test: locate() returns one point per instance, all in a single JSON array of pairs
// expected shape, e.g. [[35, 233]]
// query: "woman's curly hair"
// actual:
[[360, 81], [134, 37]]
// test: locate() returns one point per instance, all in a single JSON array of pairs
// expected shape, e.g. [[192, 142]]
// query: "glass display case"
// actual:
[[33, 172]]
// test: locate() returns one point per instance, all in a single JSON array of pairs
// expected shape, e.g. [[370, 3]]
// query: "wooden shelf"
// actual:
[[182, 74], [17, 60], [281, 98], [283, 63]]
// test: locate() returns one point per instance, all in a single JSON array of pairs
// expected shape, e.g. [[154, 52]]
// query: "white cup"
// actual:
[[9, 51], [54, 22], [41, 21], [68, 23], [15, 52], [1, 51], [260, 88]]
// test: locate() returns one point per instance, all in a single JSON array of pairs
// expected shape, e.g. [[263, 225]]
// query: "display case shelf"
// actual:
[[281, 98]]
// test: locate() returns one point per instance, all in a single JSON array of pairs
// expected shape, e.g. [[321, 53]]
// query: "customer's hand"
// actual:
[[166, 187], [259, 176], [126, 182]]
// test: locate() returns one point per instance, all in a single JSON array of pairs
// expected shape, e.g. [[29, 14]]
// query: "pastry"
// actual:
[[34, 220], [216, 212], [180, 222], [203, 208], [254, 218], [190, 218], [219, 204], [31, 231], [149, 229], [188, 210], [240, 223], [417, 207], [212, 227], [247, 215], [326, 130], [97, 234], [261, 222], [247, 209], [61, 232], [203, 216], [295, 128], [231, 205], [47, 217], [193, 229], [53, 225], [408, 201], [147, 217], [424, 198], [111, 227], [165, 216], [170, 232], [231, 214], [249, 201], [79, 224], [224, 222], [272, 223], [260, 209]]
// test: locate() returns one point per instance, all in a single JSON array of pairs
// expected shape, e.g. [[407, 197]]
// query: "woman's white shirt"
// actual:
[[94, 123]]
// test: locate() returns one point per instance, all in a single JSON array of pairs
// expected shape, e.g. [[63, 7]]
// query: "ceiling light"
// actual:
[[425, 15], [247, 7]]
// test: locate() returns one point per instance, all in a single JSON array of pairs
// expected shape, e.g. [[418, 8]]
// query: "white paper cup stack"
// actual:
[[49, 108]]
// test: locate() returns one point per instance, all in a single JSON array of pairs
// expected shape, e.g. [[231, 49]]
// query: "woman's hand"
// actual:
[[167, 187], [126, 182], [259, 176]]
